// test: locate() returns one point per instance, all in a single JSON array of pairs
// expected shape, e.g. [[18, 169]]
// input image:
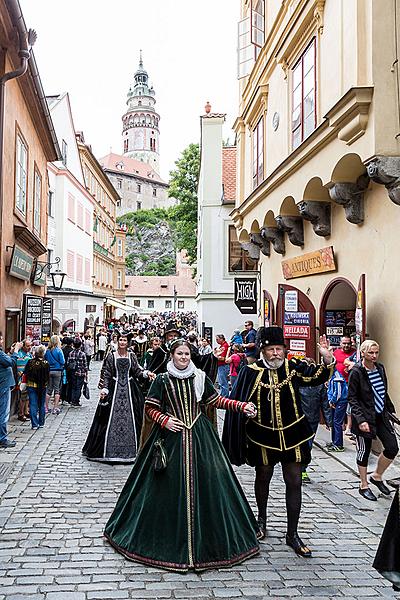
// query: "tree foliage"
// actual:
[[183, 187]]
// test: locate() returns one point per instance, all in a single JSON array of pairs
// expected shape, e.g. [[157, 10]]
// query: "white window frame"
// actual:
[[21, 174], [37, 200]]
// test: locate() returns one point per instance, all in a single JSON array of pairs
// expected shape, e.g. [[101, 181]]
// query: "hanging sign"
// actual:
[[297, 318], [246, 294], [21, 264], [296, 331], [33, 318], [320, 261], [291, 301], [47, 320]]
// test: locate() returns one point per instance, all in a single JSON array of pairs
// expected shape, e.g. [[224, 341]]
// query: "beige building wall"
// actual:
[[350, 161]]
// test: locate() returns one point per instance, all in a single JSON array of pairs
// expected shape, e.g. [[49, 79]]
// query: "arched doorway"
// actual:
[[338, 310]]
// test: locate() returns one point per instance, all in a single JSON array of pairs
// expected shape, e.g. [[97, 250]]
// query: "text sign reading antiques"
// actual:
[[320, 261], [246, 295]]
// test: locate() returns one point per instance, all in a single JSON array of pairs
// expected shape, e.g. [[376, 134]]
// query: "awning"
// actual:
[[118, 304]]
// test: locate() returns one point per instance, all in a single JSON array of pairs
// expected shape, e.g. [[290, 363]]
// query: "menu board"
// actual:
[[33, 318], [47, 320]]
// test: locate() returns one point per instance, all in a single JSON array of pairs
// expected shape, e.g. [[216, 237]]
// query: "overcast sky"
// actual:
[[90, 48]]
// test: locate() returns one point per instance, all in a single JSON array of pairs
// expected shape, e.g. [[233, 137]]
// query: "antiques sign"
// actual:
[[246, 295], [21, 264], [320, 261]]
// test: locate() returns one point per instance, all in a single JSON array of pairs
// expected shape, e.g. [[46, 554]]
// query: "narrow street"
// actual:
[[55, 504]]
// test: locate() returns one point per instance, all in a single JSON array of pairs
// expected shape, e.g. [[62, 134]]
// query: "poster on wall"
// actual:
[[47, 320], [291, 301], [246, 294], [297, 318], [33, 318], [296, 331]]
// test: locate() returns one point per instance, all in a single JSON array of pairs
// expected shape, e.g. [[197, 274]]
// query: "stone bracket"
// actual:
[[258, 240], [319, 215], [293, 226], [351, 197], [276, 237], [252, 249], [386, 171]]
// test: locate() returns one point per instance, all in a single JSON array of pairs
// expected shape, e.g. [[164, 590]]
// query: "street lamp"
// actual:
[[57, 276]]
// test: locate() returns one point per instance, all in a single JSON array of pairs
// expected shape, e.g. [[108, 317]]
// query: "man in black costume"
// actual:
[[280, 432], [158, 362]]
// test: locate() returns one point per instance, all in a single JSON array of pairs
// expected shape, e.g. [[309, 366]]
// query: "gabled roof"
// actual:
[[130, 166], [229, 174]]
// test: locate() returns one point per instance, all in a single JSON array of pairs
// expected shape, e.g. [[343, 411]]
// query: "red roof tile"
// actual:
[[130, 166], [229, 173]]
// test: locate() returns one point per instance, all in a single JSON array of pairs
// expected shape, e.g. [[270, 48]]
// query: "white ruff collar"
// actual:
[[199, 380]]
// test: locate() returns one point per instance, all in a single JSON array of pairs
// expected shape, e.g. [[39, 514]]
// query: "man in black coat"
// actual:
[[280, 432]]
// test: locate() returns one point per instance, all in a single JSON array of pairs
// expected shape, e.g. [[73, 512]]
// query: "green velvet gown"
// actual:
[[193, 514]]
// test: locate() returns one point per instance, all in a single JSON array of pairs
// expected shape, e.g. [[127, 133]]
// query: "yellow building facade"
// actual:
[[318, 135], [108, 237]]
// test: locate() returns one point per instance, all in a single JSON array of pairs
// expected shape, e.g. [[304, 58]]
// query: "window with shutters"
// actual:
[[87, 272], [88, 221], [21, 173], [79, 268], [71, 208], [70, 265], [251, 37], [79, 215], [37, 201], [150, 303]]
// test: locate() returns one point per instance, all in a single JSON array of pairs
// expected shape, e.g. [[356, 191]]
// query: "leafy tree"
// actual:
[[183, 187]]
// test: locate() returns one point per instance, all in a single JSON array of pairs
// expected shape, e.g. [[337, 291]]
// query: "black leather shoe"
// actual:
[[380, 485], [8, 444], [295, 542], [367, 494], [262, 528]]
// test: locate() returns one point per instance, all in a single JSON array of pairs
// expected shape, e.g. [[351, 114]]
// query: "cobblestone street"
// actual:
[[55, 504]]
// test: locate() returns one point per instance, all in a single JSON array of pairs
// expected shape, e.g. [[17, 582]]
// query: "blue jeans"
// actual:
[[37, 406], [5, 402], [76, 384], [338, 416], [223, 373]]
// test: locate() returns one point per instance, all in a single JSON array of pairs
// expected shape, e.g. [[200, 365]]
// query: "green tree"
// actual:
[[183, 187]]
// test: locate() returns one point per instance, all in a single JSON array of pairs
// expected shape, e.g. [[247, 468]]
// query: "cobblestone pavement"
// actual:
[[55, 504]]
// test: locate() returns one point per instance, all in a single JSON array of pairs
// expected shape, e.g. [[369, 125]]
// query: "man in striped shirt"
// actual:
[[371, 407]]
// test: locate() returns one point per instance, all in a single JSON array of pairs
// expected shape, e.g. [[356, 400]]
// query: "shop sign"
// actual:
[[246, 295], [296, 331], [47, 319], [33, 318], [298, 345], [334, 340], [334, 331], [297, 318], [291, 301], [21, 264], [312, 263]]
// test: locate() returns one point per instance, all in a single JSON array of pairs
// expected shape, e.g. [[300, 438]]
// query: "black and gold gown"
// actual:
[[193, 514], [116, 427], [387, 559], [280, 432]]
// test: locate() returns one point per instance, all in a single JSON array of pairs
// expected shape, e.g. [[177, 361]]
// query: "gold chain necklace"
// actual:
[[278, 386]]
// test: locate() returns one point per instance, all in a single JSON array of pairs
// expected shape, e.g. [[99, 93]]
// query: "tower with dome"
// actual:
[[140, 133]]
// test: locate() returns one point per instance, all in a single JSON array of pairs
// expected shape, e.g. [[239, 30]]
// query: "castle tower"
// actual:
[[140, 132]]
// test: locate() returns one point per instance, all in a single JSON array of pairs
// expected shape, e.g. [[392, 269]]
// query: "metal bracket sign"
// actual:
[[246, 294]]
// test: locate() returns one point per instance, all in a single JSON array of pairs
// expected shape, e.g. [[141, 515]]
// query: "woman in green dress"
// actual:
[[182, 507]]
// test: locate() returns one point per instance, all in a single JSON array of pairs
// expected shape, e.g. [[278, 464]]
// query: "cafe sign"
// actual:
[[21, 264], [312, 263]]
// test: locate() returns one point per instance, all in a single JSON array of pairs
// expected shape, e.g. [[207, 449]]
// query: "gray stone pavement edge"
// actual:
[[54, 504]]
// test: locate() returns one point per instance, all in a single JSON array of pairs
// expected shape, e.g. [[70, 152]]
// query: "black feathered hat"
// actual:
[[270, 336], [171, 327]]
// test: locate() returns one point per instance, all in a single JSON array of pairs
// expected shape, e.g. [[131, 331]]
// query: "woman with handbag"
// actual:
[[182, 507], [115, 431]]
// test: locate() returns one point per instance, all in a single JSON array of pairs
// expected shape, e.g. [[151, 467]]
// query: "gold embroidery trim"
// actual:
[[283, 426], [296, 412], [264, 455]]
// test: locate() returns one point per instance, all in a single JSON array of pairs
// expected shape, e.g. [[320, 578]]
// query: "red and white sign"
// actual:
[[297, 345], [296, 331], [296, 354]]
